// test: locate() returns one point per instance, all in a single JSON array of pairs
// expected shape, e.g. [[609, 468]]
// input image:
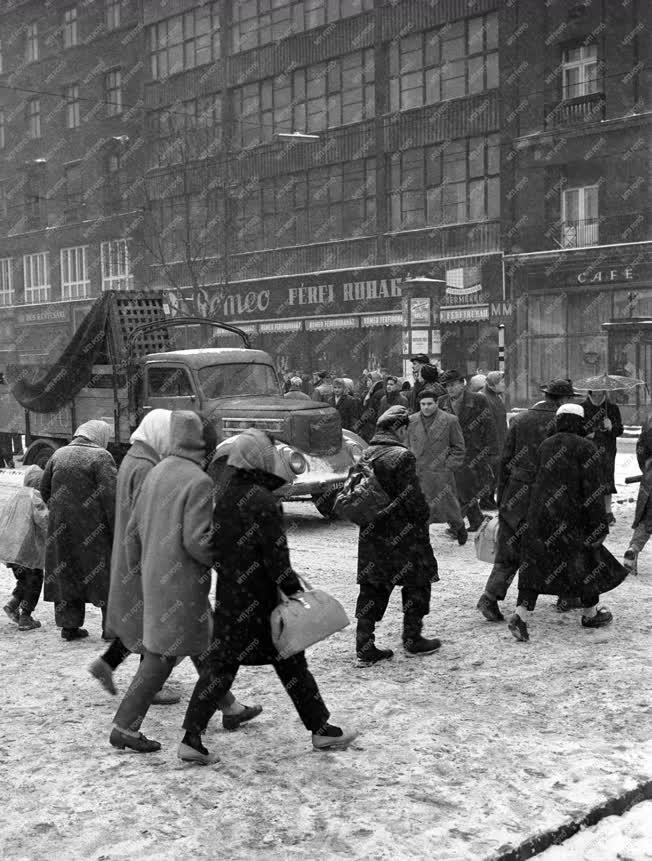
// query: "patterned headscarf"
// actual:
[[254, 450], [154, 431], [95, 431]]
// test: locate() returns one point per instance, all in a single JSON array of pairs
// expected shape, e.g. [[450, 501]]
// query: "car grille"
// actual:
[[233, 426]]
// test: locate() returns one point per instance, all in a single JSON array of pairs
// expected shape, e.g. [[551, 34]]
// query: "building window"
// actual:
[[450, 183], [36, 275], [320, 96], [74, 192], [457, 60], [75, 283], [580, 71], [71, 95], [579, 215], [112, 14], [6, 282], [185, 131], [33, 118], [115, 184], [184, 41], [3, 139], [113, 90], [70, 28], [31, 43], [115, 265]]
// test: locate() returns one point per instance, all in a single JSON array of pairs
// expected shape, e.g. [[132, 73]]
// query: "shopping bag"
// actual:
[[486, 540], [362, 498], [305, 618]]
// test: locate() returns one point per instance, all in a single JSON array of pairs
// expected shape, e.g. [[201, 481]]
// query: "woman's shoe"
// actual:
[[139, 743], [331, 737], [11, 610], [232, 722], [101, 671], [195, 751], [602, 617], [27, 623], [629, 561]]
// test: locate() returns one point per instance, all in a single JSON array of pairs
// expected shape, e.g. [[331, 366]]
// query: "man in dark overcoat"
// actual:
[[395, 549], [603, 425], [79, 487], [493, 391], [515, 477], [475, 476], [567, 524]]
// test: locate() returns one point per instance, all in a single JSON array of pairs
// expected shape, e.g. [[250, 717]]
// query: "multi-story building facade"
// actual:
[[440, 138], [576, 179]]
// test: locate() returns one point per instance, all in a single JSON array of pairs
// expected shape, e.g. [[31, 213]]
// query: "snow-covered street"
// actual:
[[460, 754]]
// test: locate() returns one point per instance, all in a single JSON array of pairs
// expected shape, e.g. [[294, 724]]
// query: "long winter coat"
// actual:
[[499, 413], [604, 440], [370, 411], [516, 473], [125, 610], [644, 457], [395, 549], [347, 407], [168, 537], [475, 477], [78, 486], [439, 451], [566, 514], [252, 561]]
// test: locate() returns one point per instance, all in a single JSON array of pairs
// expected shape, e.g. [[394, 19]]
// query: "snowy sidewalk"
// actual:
[[461, 754]]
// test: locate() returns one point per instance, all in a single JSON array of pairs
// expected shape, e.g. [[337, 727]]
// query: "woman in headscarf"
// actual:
[[603, 425], [251, 557], [79, 485]]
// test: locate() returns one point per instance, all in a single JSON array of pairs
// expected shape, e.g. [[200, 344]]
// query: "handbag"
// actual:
[[304, 619], [486, 540], [362, 497]]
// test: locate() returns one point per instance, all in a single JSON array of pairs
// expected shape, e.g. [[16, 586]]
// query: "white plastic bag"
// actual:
[[486, 540]]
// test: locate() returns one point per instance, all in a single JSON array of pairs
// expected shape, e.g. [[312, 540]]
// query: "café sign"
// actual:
[[605, 276]]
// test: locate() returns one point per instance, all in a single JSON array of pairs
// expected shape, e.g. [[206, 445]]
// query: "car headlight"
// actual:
[[356, 451], [297, 462]]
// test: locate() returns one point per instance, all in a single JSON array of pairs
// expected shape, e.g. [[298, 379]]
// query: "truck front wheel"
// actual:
[[39, 454], [325, 501]]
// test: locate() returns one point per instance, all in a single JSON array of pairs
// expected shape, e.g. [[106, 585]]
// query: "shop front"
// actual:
[[561, 301], [351, 320]]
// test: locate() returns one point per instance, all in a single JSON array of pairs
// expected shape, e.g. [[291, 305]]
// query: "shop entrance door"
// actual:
[[630, 355]]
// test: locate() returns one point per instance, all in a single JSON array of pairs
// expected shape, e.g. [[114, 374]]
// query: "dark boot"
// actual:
[[413, 642], [475, 516], [365, 644], [11, 609]]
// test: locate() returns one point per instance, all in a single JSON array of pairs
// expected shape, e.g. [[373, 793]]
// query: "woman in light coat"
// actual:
[[168, 540]]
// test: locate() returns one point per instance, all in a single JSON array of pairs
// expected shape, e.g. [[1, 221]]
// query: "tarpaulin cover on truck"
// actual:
[[71, 372]]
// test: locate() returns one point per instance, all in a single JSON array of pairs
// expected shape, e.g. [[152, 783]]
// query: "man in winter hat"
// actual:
[[395, 549], [493, 391]]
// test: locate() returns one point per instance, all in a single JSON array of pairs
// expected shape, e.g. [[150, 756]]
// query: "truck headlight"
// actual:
[[297, 462]]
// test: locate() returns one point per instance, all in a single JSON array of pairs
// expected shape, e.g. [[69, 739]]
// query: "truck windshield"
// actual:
[[239, 378]]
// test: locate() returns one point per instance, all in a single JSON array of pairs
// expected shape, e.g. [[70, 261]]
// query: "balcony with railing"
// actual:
[[576, 234], [589, 108], [613, 229]]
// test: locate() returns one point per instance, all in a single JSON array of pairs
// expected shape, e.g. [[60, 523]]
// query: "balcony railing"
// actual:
[[575, 234], [583, 109]]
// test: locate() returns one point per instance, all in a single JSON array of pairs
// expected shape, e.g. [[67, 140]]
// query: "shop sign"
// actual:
[[605, 276], [332, 323], [465, 314], [281, 326], [501, 311], [382, 319], [45, 315]]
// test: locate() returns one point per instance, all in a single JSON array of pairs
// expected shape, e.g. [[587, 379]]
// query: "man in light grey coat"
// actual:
[[435, 438]]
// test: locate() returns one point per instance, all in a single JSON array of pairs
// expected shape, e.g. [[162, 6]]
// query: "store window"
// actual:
[[6, 281], [450, 183], [36, 275], [31, 43], [113, 92], [114, 258], [579, 218], [448, 63], [115, 182], [186, 130], [184, 41], [71, 96], [70, 33], [579, 71], [34, 118], [75, 283]]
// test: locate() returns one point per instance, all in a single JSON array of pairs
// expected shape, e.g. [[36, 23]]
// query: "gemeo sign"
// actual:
[[277, 302]]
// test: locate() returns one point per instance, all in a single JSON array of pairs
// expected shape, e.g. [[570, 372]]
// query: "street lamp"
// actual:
[[296, 136]]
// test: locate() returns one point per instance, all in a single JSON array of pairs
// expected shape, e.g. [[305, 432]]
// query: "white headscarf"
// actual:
[[95, 431], [154, 431], [571, 410]]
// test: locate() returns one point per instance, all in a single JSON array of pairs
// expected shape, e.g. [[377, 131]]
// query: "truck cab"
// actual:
[[239, 389]]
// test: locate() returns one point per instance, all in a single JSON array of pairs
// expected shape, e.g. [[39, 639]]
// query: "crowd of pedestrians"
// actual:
[[140, 542]]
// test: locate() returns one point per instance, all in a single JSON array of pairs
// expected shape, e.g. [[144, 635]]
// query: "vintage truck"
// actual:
[[124, 360]]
